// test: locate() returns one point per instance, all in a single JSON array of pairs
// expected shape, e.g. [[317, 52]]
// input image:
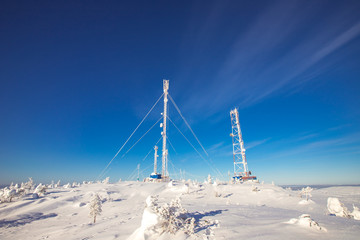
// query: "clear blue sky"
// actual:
[[78, 76]]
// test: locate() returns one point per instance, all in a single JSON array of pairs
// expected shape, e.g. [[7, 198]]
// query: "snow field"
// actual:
[[221, 211]]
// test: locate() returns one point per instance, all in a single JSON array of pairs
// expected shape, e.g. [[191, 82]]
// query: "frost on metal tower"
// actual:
[[155, 175], [164, 172], [164, 175], [155, 159], [241, 171]]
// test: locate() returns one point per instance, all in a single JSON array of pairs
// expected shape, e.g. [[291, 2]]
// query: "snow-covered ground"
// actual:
[[223, 211]]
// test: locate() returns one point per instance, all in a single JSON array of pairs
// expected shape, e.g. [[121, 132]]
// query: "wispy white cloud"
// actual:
[[336, 43], [339, 127], [256, 143], [215, 147], [301, 65], [277, 51], [318, 146], [307, 136]]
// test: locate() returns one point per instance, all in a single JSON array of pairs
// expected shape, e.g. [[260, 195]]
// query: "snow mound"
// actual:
[[149, 220], [306, 202], [35, 196], [305, 221], [337, 208], [356, 213]]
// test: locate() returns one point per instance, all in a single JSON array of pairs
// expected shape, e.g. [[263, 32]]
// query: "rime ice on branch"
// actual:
[[95, 207]]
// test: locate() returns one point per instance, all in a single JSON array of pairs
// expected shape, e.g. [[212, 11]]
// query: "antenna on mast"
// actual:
[[155, 160], [164, 175], [164, 159], [155, 176]]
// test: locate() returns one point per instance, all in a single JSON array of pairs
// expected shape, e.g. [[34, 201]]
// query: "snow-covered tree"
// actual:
[[172, 217], [57, 184], [356, 213], [20, 192], [52, 184], [95, 207], [7, 194], [29, 185], [40, 189], [209, 180], [106, 180], [337, 208], [189, 226], [306, 192], [216, 189]]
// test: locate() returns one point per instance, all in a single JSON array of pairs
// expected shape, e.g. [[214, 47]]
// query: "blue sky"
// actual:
[[78, 77]]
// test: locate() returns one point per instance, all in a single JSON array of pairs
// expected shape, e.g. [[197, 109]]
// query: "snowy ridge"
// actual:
[[219, 211]]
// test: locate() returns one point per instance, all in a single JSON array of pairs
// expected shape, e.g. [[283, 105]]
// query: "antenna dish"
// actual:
[[161, 125]]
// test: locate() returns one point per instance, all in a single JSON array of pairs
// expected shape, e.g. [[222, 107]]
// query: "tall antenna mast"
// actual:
[[164, 150], [241, 171], [155, 160]]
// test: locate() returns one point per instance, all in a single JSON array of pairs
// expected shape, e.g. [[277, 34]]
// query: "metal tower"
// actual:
[[164, 171], [155, 160], [241, 171]]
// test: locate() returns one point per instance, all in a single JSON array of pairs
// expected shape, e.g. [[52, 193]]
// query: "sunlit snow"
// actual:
[[138, 210]]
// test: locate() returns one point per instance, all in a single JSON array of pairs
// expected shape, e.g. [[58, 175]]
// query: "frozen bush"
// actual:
[[306, 192], [209, 180], [28, 186], [40, 189], [51, 185], [20, 192], [216, 190], [356, 213], [305, 221], [106, 180], [95, 207], [7, 194], [337, 208], [57, 184], [171, 217]]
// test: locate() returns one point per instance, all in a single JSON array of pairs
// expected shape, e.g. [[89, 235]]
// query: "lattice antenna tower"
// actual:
[[240, 164], [164, 159], [155, 159]]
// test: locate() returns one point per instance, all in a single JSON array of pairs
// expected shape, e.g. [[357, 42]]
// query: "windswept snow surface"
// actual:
[[229, 211]]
